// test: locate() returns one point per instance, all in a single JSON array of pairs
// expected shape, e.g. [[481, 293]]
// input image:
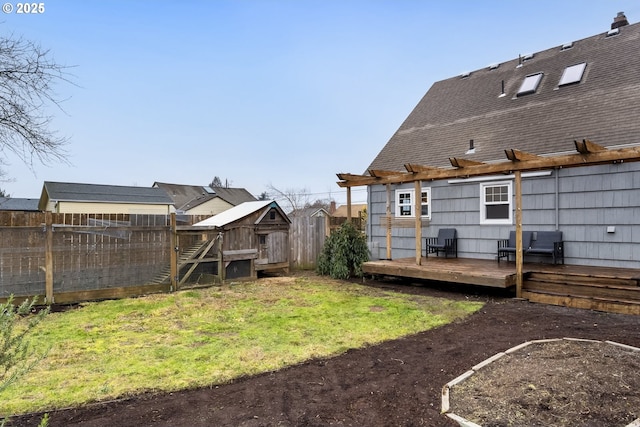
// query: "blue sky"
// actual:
[[272, 92]]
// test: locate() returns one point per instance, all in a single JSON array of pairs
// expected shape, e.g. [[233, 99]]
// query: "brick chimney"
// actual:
[[332, 207], [619, 21]]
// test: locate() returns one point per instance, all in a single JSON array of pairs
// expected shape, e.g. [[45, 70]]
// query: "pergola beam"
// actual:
[[463, 163], [381, 173], [518, 156], [631, 154], [413, 168], [585, 147]]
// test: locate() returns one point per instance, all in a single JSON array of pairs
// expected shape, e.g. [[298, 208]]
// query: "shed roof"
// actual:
[[76, 192], [236, 213], [484, 106]]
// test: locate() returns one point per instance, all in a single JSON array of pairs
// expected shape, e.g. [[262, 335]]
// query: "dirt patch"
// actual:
[[397, 383], [560, 383]]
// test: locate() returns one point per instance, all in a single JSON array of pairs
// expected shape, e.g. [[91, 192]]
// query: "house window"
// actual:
[[405, 203], [496, 203]]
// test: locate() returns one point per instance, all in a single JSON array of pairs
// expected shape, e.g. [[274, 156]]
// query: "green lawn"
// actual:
[[210, 336]]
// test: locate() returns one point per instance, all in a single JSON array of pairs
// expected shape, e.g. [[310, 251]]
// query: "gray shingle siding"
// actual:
[[589, 200]]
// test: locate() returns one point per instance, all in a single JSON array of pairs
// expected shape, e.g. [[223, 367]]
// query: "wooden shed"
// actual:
[[255, 238]]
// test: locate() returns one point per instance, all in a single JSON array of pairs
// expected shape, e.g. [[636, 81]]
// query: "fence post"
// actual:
[[174, 253], [48, 257], [221, 269]]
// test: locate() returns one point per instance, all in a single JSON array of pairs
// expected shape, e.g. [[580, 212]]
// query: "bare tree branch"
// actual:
[[292, 198], [27, 78]]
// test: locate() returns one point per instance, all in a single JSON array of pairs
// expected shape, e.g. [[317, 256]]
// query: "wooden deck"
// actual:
[[482, 272], [597, 288]]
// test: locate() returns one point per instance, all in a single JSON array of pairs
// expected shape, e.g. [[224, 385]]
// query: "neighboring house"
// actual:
[[309, 213], [204, 200], [358, 216], [531, 108], [18, 204], [65, 197], [255, 238]]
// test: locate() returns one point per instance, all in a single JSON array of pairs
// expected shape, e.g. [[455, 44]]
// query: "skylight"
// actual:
[[572, 74], [530, 84]]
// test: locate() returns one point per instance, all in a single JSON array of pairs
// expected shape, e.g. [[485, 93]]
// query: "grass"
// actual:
[[197, 338]]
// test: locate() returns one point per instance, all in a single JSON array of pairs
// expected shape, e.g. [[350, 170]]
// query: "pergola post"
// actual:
[[418, 214], [349, 204], [388, 221], [519, 254]]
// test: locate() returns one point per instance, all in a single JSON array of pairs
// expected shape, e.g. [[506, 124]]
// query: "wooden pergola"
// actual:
[[587, 154]]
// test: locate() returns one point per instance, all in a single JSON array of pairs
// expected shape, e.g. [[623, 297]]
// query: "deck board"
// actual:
[[482, 272]]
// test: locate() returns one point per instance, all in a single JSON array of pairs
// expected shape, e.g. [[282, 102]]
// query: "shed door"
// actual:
[[277, 248]]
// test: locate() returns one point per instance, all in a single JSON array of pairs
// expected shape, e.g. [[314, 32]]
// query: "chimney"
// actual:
[[619, 21], [332, 207]]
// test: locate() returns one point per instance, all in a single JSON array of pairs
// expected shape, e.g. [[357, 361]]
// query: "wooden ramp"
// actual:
[[615, 290], [189, 257]]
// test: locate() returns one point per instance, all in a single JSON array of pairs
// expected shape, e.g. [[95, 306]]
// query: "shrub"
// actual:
[[343, 253], [16, 355]]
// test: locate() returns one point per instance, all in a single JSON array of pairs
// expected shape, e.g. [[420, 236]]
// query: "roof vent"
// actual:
[[472, 147], [613, 32], [465, 75], [567, 46], [494, 66], [619, 21]]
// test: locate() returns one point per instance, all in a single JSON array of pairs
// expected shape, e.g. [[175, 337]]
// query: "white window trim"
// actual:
[[411, 192], [483, 211]]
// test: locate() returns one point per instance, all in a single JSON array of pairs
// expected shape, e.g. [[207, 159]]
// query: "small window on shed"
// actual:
[[272, 214], [572, 74], [262, 239], [530, 84]]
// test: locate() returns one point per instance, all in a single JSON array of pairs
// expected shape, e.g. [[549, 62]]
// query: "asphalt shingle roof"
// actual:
[[187, 197], [603, 107], [65, 191]]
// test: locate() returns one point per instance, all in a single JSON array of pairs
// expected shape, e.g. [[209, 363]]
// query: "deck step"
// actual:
[[590, 303], [602, 292], [585, 279]]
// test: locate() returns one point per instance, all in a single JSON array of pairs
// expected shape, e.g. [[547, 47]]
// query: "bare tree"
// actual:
[[291, 199], [28, 74]]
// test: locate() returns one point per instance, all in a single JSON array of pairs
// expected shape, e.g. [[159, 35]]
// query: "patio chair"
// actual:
[[508, 246], [446, 242]]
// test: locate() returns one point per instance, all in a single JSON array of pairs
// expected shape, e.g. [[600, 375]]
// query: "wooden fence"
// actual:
[[306, 237], [74, 257], [66, 258]]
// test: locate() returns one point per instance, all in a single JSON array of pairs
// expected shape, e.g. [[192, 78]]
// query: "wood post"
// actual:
[[221, 269], [174, 253], [418, 213], [349, 204], [48, 258], [388, 218], [519, 254]]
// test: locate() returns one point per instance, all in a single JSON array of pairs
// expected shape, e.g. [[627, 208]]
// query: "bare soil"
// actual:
[[399, 383]]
